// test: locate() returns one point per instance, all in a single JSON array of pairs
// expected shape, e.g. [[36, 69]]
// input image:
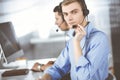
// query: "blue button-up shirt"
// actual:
[[92, 65]]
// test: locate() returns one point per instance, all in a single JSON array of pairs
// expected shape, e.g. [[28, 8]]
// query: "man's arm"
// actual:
[[60, 67], [80, 33]]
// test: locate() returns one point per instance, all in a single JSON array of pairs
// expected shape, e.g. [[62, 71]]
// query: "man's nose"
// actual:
[[70, 17]]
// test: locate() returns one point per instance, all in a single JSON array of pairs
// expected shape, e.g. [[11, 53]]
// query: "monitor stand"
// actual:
[[7, 66], [9, 63]]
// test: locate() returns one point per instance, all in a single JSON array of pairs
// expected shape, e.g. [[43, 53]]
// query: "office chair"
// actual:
[[111, 76]]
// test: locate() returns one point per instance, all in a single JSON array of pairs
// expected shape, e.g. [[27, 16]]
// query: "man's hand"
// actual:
[[49, 64], [42, 67], [80, 32], [36, 67]]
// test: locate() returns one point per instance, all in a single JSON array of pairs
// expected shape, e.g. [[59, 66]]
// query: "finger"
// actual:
[[81, 27], [80, 30]]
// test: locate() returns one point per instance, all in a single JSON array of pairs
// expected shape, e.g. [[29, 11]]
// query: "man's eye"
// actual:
[[65, 14], [74, 12]]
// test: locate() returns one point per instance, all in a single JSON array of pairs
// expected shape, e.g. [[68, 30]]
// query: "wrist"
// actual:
[[76, 41], [39, 67]]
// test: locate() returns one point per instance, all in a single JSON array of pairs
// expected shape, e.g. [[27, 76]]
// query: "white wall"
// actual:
[[29, 15]]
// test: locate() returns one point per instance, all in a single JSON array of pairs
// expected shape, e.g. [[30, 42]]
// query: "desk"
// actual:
[[31, 75]]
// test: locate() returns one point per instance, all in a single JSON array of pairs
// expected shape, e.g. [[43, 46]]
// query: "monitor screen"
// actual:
[[9, 41]]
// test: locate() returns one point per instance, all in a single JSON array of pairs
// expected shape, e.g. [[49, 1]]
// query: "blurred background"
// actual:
[[35, 28]]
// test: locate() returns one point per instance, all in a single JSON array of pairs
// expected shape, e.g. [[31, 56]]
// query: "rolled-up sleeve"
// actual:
[[82, 61]]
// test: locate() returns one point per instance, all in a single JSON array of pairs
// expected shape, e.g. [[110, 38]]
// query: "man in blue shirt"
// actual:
[[86, 53]]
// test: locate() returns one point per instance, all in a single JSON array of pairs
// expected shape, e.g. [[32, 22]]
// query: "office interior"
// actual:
[[35, 29]]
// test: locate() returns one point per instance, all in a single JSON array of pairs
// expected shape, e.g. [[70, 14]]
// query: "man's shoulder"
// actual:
[[97, 36]]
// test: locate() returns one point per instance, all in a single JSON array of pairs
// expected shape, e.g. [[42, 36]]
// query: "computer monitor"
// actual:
[[9, 42]]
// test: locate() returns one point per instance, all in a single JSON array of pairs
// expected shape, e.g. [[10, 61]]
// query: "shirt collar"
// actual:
[[88, 29]]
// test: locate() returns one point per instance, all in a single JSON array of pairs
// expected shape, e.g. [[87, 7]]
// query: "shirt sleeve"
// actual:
[[61, 65], [82, 61], [96, 56]]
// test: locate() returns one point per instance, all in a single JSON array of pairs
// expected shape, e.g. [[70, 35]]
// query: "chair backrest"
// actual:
[[111, 76]]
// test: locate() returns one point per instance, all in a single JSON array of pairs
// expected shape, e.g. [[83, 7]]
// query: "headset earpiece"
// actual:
[[60, 6], [85, 12], [84, 7]]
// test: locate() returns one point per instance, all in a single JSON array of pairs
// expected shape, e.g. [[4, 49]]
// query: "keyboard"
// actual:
[[15, 72]]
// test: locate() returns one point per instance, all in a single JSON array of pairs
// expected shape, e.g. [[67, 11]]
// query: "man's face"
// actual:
[[73, 14], [58, 19], [59, 22]]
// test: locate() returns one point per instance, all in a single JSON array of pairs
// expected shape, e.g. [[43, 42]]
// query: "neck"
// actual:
[[84, 23]]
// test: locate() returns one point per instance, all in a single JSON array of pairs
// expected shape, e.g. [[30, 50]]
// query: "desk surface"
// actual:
[[31, 75]]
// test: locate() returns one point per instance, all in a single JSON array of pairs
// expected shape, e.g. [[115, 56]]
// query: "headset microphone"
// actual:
[[75, 26], [57, 30]]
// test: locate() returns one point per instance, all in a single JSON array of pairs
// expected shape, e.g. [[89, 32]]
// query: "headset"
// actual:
[[84, 8], [60, 7], [83, 5]]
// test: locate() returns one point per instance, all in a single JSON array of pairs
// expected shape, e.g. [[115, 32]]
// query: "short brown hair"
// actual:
[[81, 2], [57, 9]]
